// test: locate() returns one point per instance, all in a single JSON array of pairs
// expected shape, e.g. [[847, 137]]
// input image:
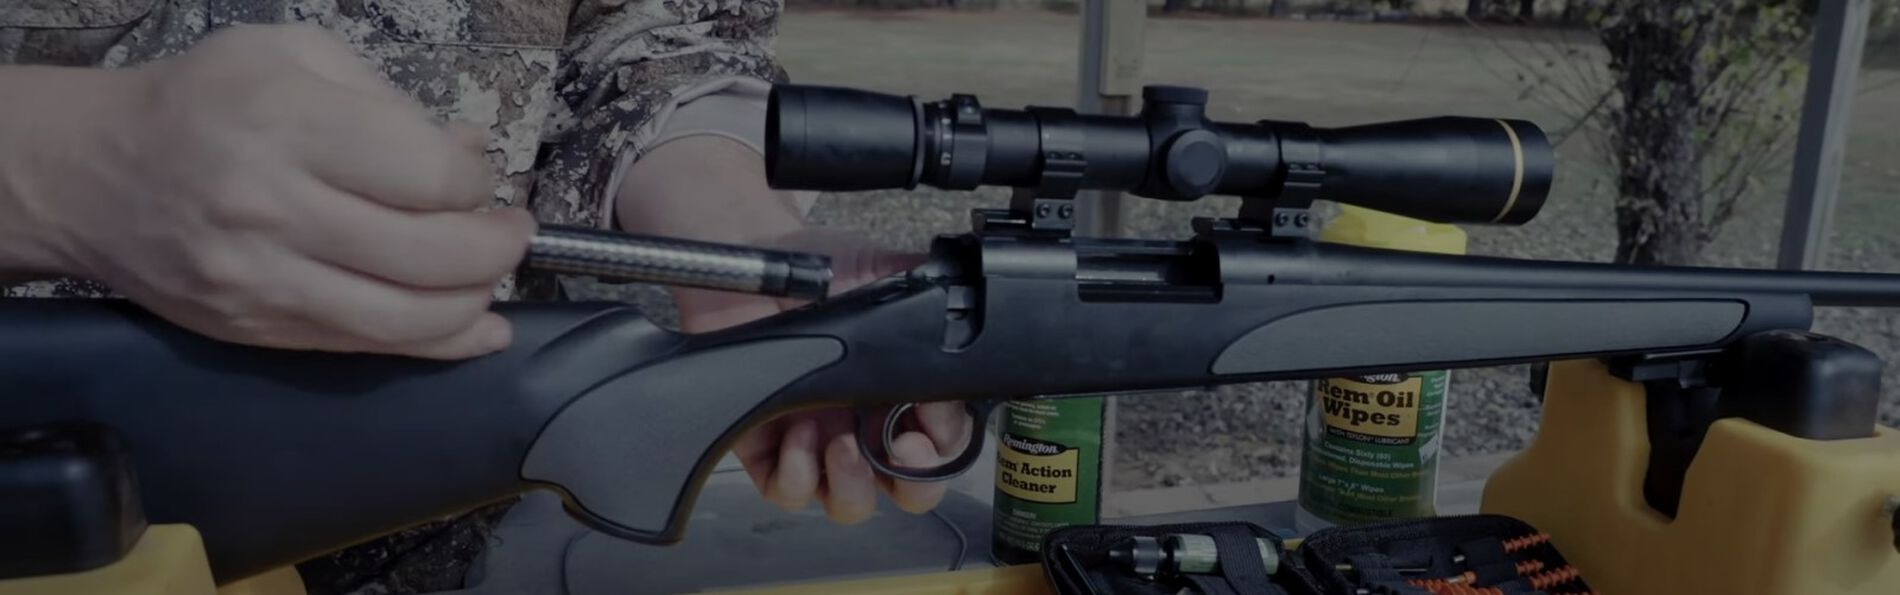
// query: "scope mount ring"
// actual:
[[962, 143], [875, 438]]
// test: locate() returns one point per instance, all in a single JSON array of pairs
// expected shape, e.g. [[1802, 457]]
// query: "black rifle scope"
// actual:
[[1444, 169]]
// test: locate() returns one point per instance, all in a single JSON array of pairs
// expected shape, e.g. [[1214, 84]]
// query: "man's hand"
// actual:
[[814, 455], [268, 187], [713, 189]]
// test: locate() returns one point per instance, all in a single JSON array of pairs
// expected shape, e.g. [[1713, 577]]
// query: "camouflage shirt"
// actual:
[[569, 90]]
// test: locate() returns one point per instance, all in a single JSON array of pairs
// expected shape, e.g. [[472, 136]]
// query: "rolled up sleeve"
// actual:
[[642, 72]]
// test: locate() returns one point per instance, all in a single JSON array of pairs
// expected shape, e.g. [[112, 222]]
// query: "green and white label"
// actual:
[[1048, 463], [1372, 447]]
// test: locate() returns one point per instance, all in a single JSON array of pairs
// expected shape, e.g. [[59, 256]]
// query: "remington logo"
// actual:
[[1031, 446], [1383, 379]]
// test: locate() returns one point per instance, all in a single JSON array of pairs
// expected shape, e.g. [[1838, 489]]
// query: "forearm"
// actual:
[[704, 188], [52, 115]]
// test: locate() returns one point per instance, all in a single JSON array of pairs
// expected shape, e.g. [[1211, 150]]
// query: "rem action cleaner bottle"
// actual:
[[1372, 442], [1048, 472]]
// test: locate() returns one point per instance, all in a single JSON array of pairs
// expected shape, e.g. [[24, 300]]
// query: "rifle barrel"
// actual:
[[1326, 264]]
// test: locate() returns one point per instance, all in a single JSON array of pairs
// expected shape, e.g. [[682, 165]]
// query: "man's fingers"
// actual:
[[425, 250], [757, 452], [490, 333], [374, 121], [871, 263], [794, 480], [947, 423], [850, 487], [467, 135], [377, 312], [913, 449], [393, 156]]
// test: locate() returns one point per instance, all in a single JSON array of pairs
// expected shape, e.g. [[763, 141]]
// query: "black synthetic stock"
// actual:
[[639, 496], [278, 456]]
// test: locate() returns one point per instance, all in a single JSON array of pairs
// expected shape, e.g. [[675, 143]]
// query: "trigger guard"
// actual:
[[877, 451]]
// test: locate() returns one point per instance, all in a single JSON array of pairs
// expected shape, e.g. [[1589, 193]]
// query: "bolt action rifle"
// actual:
[[278, 456]]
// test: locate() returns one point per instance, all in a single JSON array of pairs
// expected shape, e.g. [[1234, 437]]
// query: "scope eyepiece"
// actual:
[[1446, 169], [824, 138]]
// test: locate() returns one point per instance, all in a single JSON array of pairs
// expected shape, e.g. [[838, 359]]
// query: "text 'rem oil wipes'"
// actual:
[[1372, 442]]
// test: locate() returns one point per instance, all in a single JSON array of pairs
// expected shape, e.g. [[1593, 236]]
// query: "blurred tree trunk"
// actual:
[[1278, 8], [1173, 6], [1694, 113], [1667, 229], [1474, 9], [1527, 10], [1659, 216], [1699, 82]]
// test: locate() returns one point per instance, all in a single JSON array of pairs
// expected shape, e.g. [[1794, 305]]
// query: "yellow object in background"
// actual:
[[167, 560], [1021, 579], [282, 581], [1762, 513], [1358, 226]]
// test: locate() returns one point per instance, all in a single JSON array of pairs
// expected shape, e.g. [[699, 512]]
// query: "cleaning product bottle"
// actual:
[[1372, 442], [1048, 472]]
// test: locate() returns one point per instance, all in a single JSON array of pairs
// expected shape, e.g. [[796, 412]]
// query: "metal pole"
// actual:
[[1840, 34], [1108, 78], [1089, 68]]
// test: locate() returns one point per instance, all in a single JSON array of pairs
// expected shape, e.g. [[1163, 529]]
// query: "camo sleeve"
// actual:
[[625, 68]]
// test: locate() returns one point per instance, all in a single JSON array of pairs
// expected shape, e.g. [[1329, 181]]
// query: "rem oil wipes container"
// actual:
[[1048, 472], [1372, 442]]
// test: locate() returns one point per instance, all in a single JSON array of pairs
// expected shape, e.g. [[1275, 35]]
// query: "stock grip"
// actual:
[[277, 456], [631, 455]]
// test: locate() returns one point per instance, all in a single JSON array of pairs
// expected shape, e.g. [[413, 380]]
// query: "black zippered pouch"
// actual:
[[1483, 551], [1076, 561], [1493, 553]]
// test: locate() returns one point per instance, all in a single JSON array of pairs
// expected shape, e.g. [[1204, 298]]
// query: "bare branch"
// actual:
[[1751, 162], [1746, 157], [1582, 121], [1737, 95], [1577, 97], [1577, 102]]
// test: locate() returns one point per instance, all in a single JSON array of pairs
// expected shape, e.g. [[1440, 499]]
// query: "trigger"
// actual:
[[875, 438]]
